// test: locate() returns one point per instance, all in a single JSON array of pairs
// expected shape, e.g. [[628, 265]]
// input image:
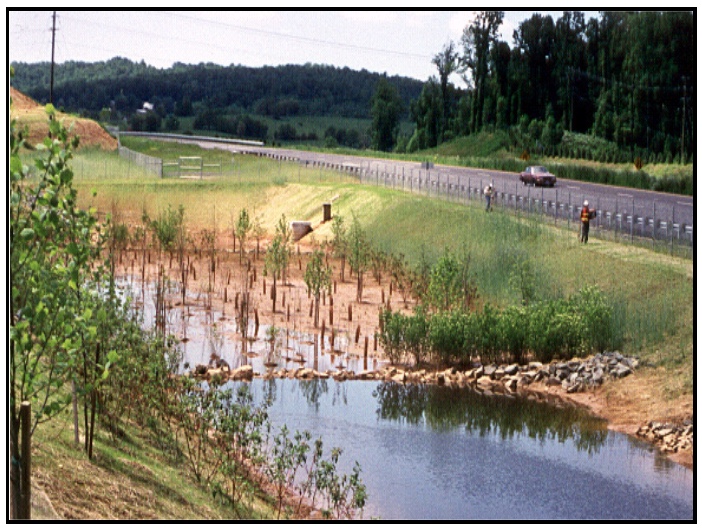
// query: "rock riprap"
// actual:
[[668, 437], [575, 375]]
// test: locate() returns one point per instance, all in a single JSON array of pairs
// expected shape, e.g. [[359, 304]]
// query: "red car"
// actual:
[[537, 176]]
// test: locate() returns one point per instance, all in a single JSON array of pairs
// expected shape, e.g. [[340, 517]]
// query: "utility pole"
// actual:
[[53, 41]]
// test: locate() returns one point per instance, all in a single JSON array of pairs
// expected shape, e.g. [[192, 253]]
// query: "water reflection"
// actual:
[[504, 416]]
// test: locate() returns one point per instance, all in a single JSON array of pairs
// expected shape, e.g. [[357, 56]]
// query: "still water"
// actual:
[[437, 453], [431, 452]]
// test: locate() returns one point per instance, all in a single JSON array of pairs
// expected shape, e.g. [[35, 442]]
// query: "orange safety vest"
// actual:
[[585, 215]]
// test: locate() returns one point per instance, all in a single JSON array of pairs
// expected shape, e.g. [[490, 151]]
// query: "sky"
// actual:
[[393, 42]]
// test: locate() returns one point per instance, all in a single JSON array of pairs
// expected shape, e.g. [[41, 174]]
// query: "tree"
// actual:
[[278, 256], [446, 63], [477, 40], [339, 242], [317, 278], [242, 230], [386, 109], [358, 255], [427, 115], [451, 285], [52, 247]]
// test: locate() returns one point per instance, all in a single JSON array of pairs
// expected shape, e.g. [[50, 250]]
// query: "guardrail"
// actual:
[[430, 181], [169, 136]]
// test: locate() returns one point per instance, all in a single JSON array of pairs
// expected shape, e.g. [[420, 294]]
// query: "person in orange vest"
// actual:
[[585, 215]]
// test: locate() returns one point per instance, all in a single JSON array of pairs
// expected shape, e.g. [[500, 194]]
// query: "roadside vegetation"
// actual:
[[75, 339]]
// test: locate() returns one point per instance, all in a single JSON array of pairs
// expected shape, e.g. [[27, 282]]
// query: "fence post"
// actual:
[[26, 463], [541, 209], [631, 232]]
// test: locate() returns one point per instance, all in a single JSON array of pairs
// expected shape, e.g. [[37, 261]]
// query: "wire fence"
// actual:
[[149, 163], [620, 217]]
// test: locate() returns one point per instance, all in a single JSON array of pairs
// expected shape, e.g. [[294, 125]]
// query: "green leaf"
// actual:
[[112, 356], [27, 234]]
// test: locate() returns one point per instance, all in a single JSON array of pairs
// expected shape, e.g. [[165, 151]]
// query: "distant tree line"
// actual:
[[624, 77], [184, 90]]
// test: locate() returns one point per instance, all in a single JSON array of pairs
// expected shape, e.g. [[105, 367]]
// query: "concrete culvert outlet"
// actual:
[[300, 229]]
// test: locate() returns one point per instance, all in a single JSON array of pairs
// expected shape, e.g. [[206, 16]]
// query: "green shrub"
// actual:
[[597, 317], [392, 335], [514, 332], [447, 336]]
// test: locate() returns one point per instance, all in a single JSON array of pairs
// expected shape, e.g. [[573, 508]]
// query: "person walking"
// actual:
[[489, 193], [585, 215]]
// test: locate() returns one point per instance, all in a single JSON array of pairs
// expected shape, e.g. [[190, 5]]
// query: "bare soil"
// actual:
[[28, 112]]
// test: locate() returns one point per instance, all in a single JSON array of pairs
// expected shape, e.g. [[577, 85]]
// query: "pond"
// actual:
[[430, 452]]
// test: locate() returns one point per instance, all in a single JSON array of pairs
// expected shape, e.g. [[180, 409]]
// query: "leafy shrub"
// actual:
[[447, 335], [392, 335], [513, 332], [597, 315]]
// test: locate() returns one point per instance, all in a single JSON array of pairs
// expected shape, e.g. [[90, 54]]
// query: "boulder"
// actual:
[[400, 378], [512, 369], [511, 383], [489, 370], [305, 373], [552, 381], [621, 370], [485, 380], [243, 372]]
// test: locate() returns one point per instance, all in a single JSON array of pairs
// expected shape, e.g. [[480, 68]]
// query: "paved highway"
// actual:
[[672, 215]]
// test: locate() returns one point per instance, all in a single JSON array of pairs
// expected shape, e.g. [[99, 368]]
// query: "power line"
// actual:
[[301, 38], [180, 38]]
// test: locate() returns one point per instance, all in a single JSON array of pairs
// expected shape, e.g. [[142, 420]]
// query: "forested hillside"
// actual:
[[623, 77], [306, 90]]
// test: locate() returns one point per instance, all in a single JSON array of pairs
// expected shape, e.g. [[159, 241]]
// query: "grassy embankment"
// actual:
[[652, 294], [128, 478]]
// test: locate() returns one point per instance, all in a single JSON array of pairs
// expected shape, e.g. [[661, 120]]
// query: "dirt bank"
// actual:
[[29, 113]]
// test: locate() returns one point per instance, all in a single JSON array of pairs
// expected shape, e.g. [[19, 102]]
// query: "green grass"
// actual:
[[128, 478]]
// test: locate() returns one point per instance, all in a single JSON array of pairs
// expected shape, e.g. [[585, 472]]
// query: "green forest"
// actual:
[[624, 78]]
